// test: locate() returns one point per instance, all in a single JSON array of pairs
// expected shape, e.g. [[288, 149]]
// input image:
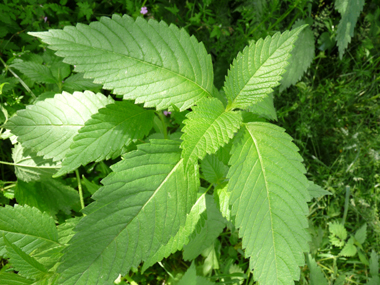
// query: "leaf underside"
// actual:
[[49, 126], [105, 134], [207, 128], [149, 62], [141, 205], [258, 69], [268, 198]]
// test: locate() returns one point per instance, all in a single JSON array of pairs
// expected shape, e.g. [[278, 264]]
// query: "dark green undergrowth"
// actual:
[[332, 112]]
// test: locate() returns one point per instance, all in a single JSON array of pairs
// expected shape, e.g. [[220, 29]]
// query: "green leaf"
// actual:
[[349, 248], [191, 278], [36, 72], [302, 56], [26, 265], [66, 230], [49, 195], [350, 11], [258, 69], [105, 134], [338, 234], [316, 274], [206, 232], [269, 201], [141, 205], [222, 199], [207, 128], [361, 234], [181, 238], [27, 228], [214, 171], [7, 278], [149, 62], [317, 191], [77, 82], [30, 167], [265, 108], [49, 126], [374, 264]]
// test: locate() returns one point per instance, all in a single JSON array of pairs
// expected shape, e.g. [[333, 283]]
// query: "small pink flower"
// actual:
[[144, 10], [166, 113], [45, 19]]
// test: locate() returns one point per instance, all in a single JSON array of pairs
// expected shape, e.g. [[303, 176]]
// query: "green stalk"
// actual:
[[80, 190]]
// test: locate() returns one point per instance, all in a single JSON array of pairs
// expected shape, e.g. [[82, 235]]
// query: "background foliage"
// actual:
[[332, 113]]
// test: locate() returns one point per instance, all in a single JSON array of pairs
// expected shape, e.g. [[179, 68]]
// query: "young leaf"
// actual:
[[151, 62], [374, 268], [258, 69], [268, 197], [207, 128], [27, 228], [141, 205], [181, 238], [76, 82], [302, 56], [105, 134], [349, 248], [214, 171], [49, 195], [191, 278], [316, 274], [48, 127], [317, 191], [36, 72], [7, 278], [25, 264], [338, 234], [265, 108], [350, 11], [207, 233], [361, 234], [222, 199], [30, 167]]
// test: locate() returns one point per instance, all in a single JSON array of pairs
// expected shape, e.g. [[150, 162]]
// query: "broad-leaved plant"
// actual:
[[154, 202]]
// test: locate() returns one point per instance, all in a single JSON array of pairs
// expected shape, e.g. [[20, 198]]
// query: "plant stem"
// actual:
[[130, 280], [346, 204], [162, 118], [80, 190], [21, 81]]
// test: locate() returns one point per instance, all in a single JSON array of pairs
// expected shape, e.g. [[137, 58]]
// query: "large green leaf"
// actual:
[[7, 278], [151, 62], [269, 201], [302, 56], [142, 204], [30, 167], [105, 134], [49, 195], [49, 126], [214, 171], [27, 228], [207, 128], [350, 11], [258, 69], [265, 108]]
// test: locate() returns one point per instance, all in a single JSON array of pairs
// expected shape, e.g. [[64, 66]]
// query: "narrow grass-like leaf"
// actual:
[[142, 204], [207, 128], [25, 264], [48, 127], [268, 197], [350, 11], [36, 72], [149, 62], [105, 134], [49, 195], [27, 228], [258, 69], [207, 233], [302, 56], [30, 167]]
